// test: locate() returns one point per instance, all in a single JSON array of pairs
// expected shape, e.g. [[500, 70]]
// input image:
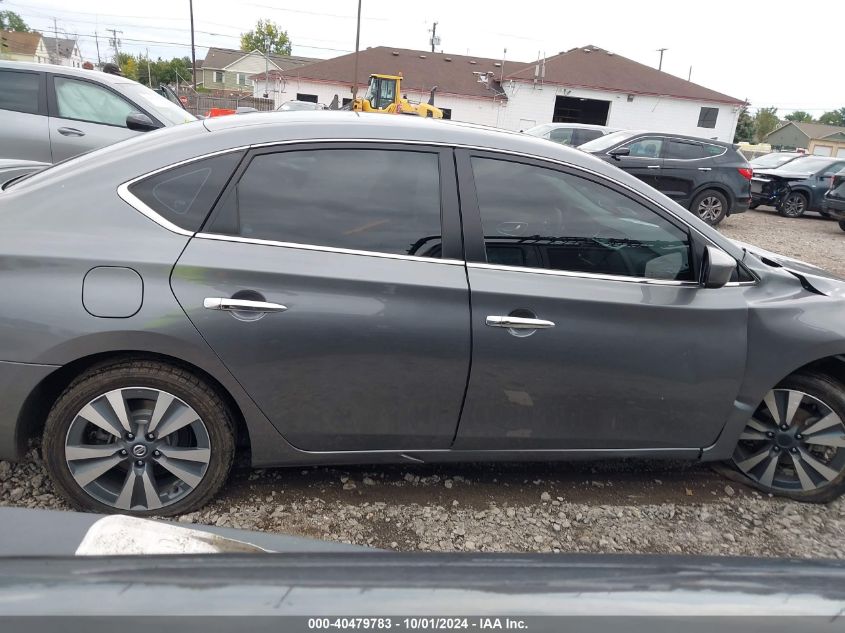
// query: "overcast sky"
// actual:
[[749, 50]]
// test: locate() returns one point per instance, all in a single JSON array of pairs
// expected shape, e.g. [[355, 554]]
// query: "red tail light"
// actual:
[[746, 172]]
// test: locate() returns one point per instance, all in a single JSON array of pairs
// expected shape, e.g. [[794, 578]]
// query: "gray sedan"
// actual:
[[335, 288]]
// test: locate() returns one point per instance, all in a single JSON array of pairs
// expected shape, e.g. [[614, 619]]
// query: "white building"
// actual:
[[63, 51], [582, 85]]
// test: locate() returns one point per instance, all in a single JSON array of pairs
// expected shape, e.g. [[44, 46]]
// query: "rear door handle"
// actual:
[[518, 323], [705, 168], [70, 131], [241, 305], [653, 167]]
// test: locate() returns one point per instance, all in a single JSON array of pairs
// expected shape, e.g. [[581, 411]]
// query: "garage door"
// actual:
[[822, 150]]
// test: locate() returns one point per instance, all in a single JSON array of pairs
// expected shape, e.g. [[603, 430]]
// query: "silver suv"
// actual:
[[49, 113]]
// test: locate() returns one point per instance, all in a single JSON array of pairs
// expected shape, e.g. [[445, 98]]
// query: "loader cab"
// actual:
[[382, 91]]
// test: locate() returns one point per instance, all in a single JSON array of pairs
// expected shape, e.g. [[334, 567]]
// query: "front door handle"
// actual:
[[241, 305], [70, 131], [704, 168], [518, 323], [653, 167]]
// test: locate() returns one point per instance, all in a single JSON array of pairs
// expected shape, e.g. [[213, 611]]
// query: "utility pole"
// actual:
[[357, 46], [149, 73], [115, 43], [434, 39], [660, 50], [56, 59], [266, 66], [97, 44], [193, 50]]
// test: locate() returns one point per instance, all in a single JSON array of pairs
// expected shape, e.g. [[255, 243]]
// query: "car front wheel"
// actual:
[[711, 206], [794, 444], [139, 437]]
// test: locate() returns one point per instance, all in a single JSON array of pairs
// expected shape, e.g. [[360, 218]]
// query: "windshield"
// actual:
[[807, 164], [160, 107], [772, 160], [607, 141], [297, 105], [539, 130]]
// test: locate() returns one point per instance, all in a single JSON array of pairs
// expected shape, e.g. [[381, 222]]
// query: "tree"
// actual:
[[765, 121], [799, 116], [835, 117], [11, 21], [266, 37], [128, 65], [744, 126]]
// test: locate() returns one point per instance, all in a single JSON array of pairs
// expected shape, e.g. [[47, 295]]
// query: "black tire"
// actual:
[[753, 205], [213, 413], [842, 224], [711, 206], [825, 390], [793, 205]]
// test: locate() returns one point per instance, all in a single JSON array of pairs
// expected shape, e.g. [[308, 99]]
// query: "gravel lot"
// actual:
[[579, 507]]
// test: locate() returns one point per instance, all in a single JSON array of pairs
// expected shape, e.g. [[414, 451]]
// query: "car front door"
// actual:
[[85, 115], [330, 279], [685, 168], [24, 133], [594, 334], [644, 159]]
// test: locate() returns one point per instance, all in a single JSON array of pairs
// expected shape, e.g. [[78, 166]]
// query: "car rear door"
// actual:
[[85, 115], [686, 168], [24, 131], [330, 279], [591, 332]]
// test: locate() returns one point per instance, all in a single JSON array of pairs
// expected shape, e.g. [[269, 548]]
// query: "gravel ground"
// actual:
[[624, 506]]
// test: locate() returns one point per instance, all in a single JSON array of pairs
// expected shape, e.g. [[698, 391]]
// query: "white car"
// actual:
[[573, 134]]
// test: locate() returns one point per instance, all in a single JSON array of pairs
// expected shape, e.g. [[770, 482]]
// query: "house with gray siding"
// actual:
[[816, 138], [228, 69]]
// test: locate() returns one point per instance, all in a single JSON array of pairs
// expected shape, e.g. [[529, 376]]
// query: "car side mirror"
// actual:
[[622, 151], [139, 122], [718, 268]]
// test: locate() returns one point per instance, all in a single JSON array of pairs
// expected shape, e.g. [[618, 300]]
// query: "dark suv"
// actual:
[[796, 187], [833, 204], [710, 178]]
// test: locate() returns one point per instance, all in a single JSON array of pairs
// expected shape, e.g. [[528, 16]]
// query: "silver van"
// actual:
[[49, 113]]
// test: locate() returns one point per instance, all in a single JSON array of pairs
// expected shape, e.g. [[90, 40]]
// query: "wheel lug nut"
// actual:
[[793, 450], [139, 463], [770, 434], [156, 453], [124, 452], [776, 449], [151, 436], [799, 437], [130, 436], [784, 427]]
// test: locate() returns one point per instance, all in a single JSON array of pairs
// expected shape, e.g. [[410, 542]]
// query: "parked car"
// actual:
[[834, 199], [573, 134], [710, 178], [49, 113], [774, 160], [797, 187], [259, 282], [296, 106]]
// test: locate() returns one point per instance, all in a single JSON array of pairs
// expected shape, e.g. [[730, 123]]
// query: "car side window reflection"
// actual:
[[385, 201], [645, 148], [542, 218]]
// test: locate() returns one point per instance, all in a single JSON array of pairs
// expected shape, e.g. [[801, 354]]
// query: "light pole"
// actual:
[[357, 45], [193, 50]]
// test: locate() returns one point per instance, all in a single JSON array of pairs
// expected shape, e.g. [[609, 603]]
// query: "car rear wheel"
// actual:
[[139, 437], [711, 206], [793, 205], [794, 444]]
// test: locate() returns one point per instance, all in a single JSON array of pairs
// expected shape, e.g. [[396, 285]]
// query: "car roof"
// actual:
[[685, 137], [95, 75], [586, 126]]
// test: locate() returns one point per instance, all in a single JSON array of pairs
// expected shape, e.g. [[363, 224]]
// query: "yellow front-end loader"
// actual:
[[384, 95]]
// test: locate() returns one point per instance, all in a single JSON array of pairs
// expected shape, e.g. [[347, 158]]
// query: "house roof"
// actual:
[[65, 45], [594, 67], [220, 58], [421, 70], [816, 130], [21, 43]]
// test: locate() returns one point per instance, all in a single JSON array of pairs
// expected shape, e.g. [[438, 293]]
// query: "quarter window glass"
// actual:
[[369, 200], [19, 92], [184, 195], [714, 150], [563, 222], [84, 101], [684, 151], [646, 148]]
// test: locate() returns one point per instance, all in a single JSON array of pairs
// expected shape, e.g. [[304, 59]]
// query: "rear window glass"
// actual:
[[184, 195], [19, 91]]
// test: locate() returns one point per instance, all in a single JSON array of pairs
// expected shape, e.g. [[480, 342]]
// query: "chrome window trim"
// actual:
[[139, 205], [326, 249]]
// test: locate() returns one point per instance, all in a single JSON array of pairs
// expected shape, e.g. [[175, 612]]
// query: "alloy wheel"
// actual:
[[794, 442], [794, 204], [710, 209], [137, 448]]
